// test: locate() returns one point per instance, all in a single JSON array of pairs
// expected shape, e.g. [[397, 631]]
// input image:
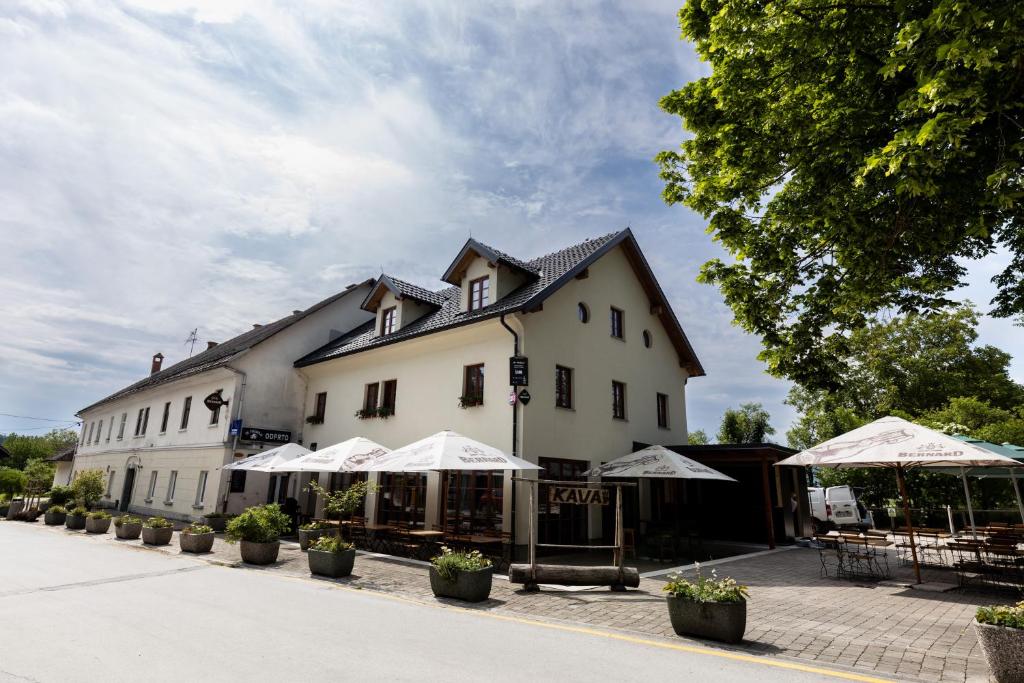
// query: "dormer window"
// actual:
[[387, 320], [479, 293]]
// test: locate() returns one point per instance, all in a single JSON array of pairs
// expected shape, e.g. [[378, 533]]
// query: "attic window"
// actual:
[[387, 320], [479, 293]]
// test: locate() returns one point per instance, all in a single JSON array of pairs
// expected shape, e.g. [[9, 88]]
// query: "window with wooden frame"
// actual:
[[663, 411], [186, 408], [473, 386], [320, 409], [99, 431], [563, 387], [370, 396], [165, 417], [110, 428], [120, 429], [387, 320], [616, 323], [479, 292], [390, 396], [618, 400]]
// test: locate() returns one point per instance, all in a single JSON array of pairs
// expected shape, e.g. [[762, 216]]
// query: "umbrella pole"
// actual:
[[910, 527], [1016, 491], [970, 508]]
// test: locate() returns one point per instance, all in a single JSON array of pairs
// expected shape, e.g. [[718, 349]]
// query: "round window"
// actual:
[[647, 338], [583, 312]]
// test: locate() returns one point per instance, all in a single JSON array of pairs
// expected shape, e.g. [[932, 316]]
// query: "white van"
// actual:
[[837, 506]]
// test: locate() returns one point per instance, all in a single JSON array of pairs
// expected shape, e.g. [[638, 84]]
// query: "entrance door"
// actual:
[[129, 486], [558, 523]]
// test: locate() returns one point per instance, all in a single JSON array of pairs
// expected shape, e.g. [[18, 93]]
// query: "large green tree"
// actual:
[[851, 156], [25, 448], [750, 424]]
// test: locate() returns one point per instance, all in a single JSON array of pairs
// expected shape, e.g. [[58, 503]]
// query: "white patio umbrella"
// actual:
[[341, 457], [445, 450], [267, 460], [656, 462], [899, 444]]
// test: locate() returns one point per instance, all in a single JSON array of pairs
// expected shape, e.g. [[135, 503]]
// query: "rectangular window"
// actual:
[[185, 410], [479, 293], [237, 481], [321, 406], [99, 431], [563, 387], [473, 385], [616, 322], [92, 428], [201, 488], [387, 320], [370, 396], [145, 421], [170, 486], [110, 428], [618, 400], [167, 415], [663, 411], [152, 485], [390, 396], [124, 422], [110, 482]]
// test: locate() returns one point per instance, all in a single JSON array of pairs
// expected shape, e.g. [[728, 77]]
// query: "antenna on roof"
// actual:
[[193, 337]]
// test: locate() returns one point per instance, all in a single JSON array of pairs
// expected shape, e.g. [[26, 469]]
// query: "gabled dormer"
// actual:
[[397, 304], [486, 275]]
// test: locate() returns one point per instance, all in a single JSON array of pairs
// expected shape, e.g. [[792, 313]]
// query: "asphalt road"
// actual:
[[81, 609]]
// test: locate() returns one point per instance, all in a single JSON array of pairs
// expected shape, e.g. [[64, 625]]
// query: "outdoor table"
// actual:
[[426, 533]]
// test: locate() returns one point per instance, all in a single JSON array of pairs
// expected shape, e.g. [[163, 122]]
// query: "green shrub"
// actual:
[[316, 526], [61, 495], [259, 524], [450, 562], [1011, 616], [88, 487], [99, 514], [197, 529], [330, 544], [79, 512], [157, 523], [12, 481], [705, 589], [127, 519], [57, 509], [216, 515]]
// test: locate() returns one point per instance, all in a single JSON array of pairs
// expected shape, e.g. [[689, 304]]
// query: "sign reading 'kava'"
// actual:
[[577, 495]]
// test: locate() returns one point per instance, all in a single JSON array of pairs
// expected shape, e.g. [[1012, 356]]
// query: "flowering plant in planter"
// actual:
[[705, 589], [157, 531], [1002, 615], [331, 556], [330, 544], [196, 538], [157, 523], [127, 527], [460, 574], [97, 522], [471, 400], [259, 529], [1000, 630], [56, 514], [197, 529], [708, 607], [127, 519], [450, 562]]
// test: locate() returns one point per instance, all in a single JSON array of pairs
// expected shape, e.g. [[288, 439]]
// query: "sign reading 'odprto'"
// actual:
[[577, 495]]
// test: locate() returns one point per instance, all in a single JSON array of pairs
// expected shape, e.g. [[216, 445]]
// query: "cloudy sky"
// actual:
[[171, 164]]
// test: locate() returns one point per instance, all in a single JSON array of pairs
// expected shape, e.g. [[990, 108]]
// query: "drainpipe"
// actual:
[[234, 442], [515, 435]]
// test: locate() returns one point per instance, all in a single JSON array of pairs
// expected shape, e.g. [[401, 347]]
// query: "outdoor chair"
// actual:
[[830, 553]]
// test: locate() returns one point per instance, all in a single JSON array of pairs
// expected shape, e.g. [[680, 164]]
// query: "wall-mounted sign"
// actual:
[[524, 396], [236, 428], [519, 371], [577, 495], [215, 400], [266, 435]]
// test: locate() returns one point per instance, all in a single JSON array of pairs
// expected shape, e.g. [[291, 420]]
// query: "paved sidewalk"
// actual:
[[885, 629]]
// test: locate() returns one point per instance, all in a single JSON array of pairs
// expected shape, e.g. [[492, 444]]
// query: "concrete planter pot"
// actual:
[[334, 565], [216, 523], [55, 518], [14, 507], [307, 536], [1004, 651], [161, 536], [75, 522], [196, 543], [128, 531], [260, 553], [469, 586], [97, 526], [723, 621]]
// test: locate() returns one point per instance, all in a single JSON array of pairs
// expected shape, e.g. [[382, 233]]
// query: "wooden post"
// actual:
[[906, 514], [769, 521], [619, 534]]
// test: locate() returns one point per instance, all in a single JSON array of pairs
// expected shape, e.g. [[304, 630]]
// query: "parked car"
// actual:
[[838, 506]]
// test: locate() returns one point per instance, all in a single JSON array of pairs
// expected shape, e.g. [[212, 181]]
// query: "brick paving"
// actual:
[[882, 628]]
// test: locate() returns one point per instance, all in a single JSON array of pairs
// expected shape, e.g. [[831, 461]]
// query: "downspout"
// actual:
[[515, 436], [234, 441]]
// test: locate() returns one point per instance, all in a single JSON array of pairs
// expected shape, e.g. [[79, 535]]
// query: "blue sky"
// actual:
[[170, 165]]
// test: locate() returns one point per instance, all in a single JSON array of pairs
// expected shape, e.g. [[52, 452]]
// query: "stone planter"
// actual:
[[75, 522], [469, 586], [260, 553], [128, 531], [724, 621], [97, 526], [215, 523], [334, 565], [55, 518], [1004, 651], [161, 536], [196, 543], [307, 536], [14, 507]]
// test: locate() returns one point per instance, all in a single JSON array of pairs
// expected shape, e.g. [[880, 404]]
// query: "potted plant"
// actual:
[[461, 575], [157, 531], [97, 522], [196, 538], [331, 556], [60, 495], [471, 401], [88, 487], [708, 608], [76, 518], [312, 531], [1000, 630], [216, 520], [259, 529], [55, 515], [128, 527]]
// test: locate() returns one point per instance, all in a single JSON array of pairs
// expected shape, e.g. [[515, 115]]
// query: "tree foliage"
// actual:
[[12, 482], [88, 486], [26, 448], [698, 437], [750, 424], [850, 156]]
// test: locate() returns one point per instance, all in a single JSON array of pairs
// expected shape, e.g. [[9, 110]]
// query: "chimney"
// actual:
[[296, 312], [256, 326], [158, 360], [210, 345]]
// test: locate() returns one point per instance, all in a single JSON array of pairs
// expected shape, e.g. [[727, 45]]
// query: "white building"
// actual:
[[163, 451]]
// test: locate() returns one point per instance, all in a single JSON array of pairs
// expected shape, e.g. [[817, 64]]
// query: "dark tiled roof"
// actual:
[[65, 455], [403, 288], [489, 253], [552, 270], [222, 353]]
